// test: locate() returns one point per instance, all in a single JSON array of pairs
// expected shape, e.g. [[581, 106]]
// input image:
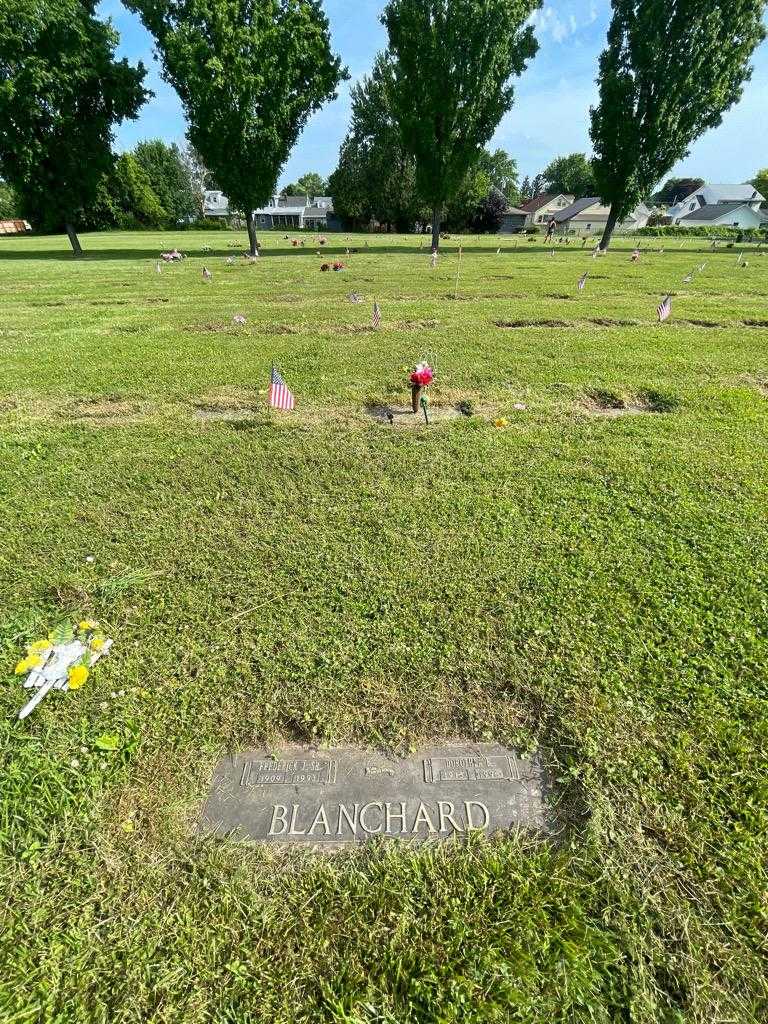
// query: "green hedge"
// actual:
[[678, 231]]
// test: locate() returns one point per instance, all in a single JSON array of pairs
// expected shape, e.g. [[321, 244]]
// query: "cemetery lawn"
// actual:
[[589, 580]]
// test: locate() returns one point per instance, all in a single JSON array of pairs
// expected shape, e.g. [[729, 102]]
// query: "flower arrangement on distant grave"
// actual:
[[419, 379], [323, 240], [325, 266], [338, 265]]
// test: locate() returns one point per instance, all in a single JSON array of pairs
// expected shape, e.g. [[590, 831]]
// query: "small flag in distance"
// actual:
[[376, 316], [665, 308], [583, 280], [280, 395]]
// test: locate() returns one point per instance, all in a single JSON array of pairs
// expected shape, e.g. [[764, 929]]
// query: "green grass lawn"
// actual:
[[590, 580]]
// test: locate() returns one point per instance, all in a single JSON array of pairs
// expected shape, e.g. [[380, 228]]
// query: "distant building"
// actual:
[[215, 204], [715, 195], [542, 208], [589, 216], [297, 212], [515, 219], [726, 215], [15, 227], [316, 213]]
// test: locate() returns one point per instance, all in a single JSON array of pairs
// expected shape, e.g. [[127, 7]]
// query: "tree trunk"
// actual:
[[74, 241], [252, 239], [610, 224], [437, 216]]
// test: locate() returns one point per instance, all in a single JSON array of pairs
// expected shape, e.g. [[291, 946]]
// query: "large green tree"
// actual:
[[501, 168], [249, 74], [375, 179], [310, 184], [169, 177], [9, 204], [760, 182], [125, 199], [61, 94], [570, 175], [670, 70], [453, 62]]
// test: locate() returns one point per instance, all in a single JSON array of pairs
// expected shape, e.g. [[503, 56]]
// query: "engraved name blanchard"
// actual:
[[379, 817]]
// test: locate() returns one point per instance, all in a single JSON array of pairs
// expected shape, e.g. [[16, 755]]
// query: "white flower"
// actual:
[[75, 763]]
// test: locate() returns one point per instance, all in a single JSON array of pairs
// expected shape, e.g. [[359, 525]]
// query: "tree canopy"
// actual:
[[310, 184], [501, 169], [570, 175], [125, 199], [248, 74], [169, 177], [61, 94], [376, 177], [675, 189], [760, 182], [668, 73], [452, 65]]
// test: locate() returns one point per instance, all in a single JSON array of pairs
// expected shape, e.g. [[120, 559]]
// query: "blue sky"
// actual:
[[549, 118]]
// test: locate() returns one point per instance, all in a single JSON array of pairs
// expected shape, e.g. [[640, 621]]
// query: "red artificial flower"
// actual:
[[423, 375]]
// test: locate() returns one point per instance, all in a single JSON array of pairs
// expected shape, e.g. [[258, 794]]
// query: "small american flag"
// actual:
[[583, 280], [376, 316], [688, 278], [433, 260], [280, 396], [665, 308]]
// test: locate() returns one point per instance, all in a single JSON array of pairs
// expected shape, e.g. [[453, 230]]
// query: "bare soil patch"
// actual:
[[703, 323], [755, 323], [416, 325], [612, 404], [102, 407], [108, 302], [402, 417], [516, 324], [606, 321]]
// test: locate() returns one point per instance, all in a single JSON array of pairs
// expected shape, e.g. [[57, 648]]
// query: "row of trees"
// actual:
[[376, 175], [421, 121], [249, 75], [156, 185]]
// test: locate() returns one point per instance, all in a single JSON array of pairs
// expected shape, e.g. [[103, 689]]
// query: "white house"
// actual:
[[726, 215], [589, 216], [542, 208], [282, 212], [215, 204], [715, 195]]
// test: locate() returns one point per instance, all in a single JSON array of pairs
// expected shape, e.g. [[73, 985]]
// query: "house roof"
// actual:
[[709, 195], [713, 212], [516, 210], [574, 208], [537, 202]]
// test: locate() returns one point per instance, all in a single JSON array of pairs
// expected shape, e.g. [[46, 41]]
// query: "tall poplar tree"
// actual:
[[670, 70], [61, 94], [249, 73], [453, 61]]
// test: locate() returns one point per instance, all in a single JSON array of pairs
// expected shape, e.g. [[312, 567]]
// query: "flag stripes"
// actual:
[[280, 395]]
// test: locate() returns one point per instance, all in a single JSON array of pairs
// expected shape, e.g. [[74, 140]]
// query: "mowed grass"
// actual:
[[590, 580]]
